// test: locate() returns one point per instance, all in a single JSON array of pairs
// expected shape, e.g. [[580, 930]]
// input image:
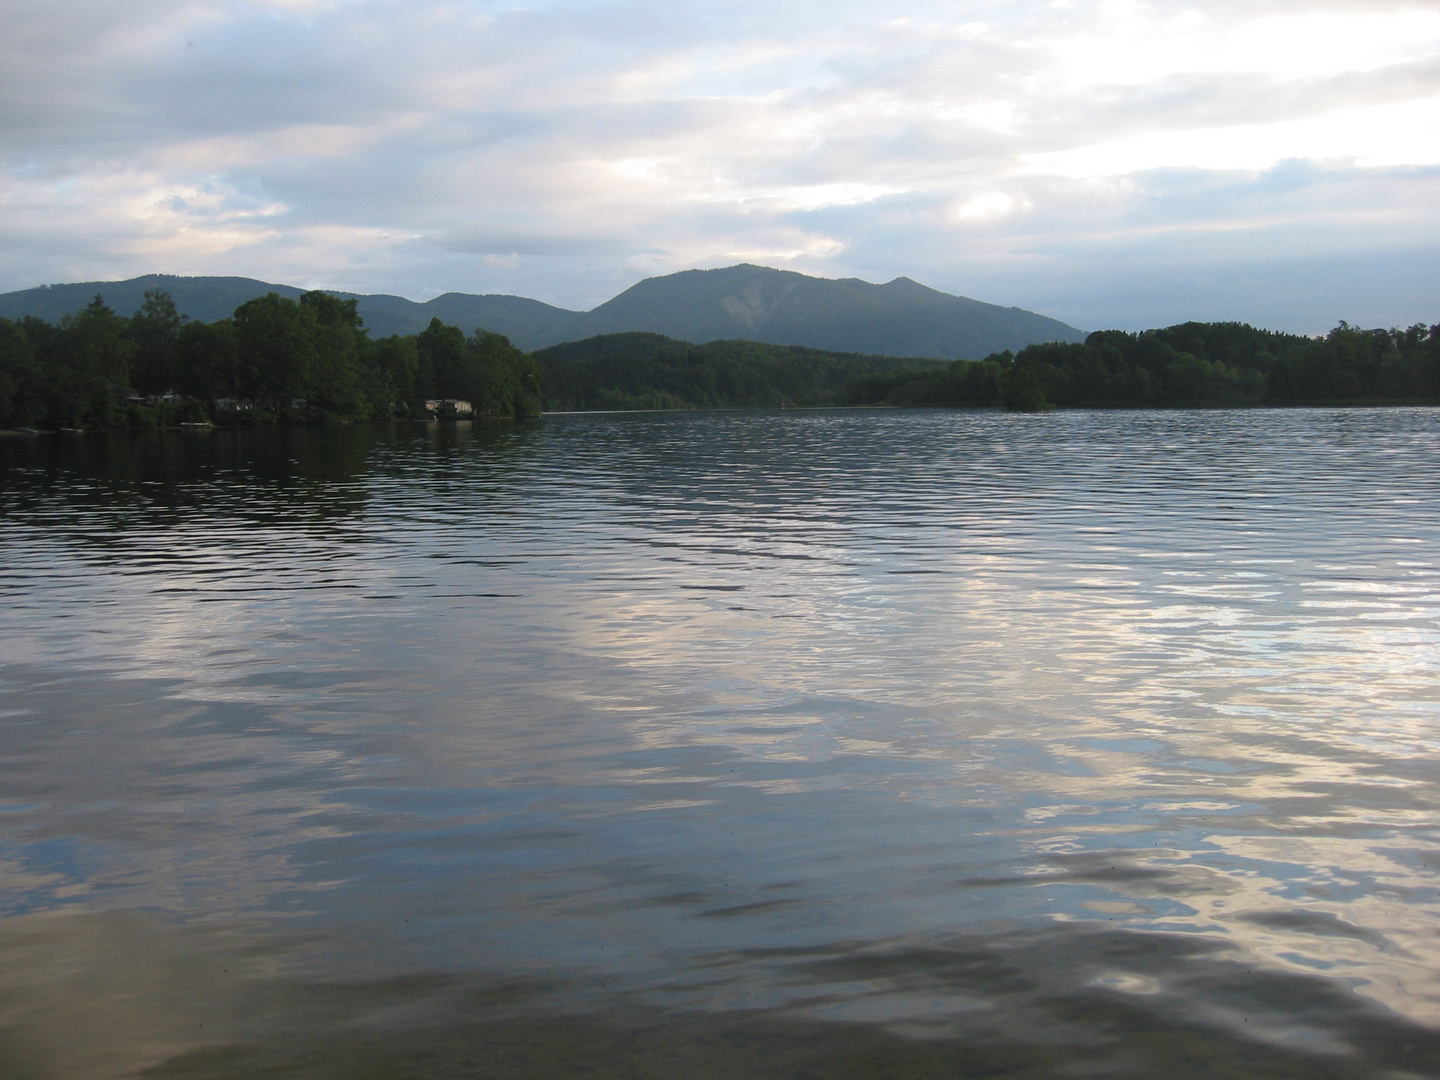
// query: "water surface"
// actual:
[[745, 744]]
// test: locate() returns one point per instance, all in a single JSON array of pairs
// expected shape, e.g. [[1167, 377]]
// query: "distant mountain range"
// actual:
[[754, 303]]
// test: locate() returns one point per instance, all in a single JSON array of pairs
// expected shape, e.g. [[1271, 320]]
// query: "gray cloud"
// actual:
[[1063, 157]]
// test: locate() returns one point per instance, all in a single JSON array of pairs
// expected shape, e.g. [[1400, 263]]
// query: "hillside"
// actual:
[[528, 323], [777, 307], [780, 307], [650, 371], [204, 299]]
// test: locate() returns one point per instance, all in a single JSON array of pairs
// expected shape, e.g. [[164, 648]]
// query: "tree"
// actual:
[[335, 382], [1022, 388], [21, 402], [500, 380], [155, 332], [86, 365], [276, 349], [207, 361], [395, 362], [442, 360]]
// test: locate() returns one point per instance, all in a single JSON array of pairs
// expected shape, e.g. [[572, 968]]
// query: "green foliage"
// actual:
[[277, 350], [1193, 364], [21, 394], [73, 375], [962, 382], [336, 386], [1353, 364], [311, 359], [638, 371], [441, 351], [484, 369], [1022, 386], [207, 361], [155, 331], [395, 363], [502, 380], [276, 358]]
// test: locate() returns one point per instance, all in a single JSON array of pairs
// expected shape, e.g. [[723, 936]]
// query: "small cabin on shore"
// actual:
[[453, 408]]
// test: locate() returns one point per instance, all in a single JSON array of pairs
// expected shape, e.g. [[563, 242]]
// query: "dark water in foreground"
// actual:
[[901, 744]]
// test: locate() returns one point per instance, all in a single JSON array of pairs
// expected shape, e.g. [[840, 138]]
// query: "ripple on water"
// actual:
[[746, 743]]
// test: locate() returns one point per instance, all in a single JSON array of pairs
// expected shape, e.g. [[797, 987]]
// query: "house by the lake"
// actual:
[[451, 408]]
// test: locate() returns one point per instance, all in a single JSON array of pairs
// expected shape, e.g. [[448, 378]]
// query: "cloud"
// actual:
[[564, 148], [1402, 133]]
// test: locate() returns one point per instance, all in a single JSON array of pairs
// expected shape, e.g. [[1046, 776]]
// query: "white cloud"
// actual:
[[564, 148], [1135, 44], [991, 204], [818, 196], [1404, 133]]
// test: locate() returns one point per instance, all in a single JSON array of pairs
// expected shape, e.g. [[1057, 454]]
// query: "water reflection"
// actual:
[[1033, 1003], [1097, 741]]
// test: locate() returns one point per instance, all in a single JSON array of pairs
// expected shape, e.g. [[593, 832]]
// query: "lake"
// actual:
[[757, 744]]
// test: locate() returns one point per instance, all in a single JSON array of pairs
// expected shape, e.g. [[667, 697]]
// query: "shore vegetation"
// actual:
[[277, 360], [1190, 365]]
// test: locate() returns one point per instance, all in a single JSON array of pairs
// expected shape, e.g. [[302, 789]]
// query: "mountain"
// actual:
[[781, 307], [205, 299], [756, 303], [528, 323]]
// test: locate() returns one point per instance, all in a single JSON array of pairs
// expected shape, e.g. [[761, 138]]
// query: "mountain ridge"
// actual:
[[778, 307]]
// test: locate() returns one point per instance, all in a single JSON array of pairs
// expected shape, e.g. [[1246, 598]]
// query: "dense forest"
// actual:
[[311, 359], [274, 360], [1193, 364], [650, 371]]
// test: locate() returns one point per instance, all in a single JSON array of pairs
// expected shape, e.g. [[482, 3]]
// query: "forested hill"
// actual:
[[650, 371], [780, 307], [901, 318]]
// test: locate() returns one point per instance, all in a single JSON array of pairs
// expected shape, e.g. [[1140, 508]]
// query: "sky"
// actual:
[[1112, 163]]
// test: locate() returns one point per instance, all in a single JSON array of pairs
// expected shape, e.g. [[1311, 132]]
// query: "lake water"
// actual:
[[791, 744]]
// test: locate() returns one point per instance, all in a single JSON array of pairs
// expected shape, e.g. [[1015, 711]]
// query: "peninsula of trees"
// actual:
[[1190, 365], [311, 360], [274, 360]]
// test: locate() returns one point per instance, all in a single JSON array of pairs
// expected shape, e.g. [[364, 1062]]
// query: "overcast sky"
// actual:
[[1107, 162]]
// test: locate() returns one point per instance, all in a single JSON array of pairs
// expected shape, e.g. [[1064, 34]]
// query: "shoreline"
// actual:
[[1379, 403]]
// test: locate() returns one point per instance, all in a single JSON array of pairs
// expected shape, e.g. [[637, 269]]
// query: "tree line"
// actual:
[[311, 359], [1192, 364], [274, 360], [651, 371]]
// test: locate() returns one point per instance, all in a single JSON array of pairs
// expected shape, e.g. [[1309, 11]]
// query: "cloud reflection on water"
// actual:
[[627, 702]]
